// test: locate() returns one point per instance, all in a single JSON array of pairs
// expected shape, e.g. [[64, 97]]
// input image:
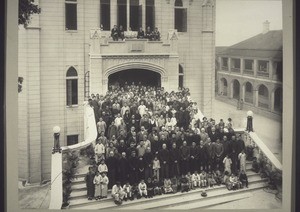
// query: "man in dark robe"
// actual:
[[185, 157], [133, 168], [174, 161], [112, 166], [219, 153], [164, 157], [234, 148], [89, 181], [148, 157], [123, 169], [202, 156], [194, 157], [209, 147]]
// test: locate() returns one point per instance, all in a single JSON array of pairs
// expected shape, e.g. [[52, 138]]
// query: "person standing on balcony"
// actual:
[[115, 33], [121, 33], [148, 34], [156, 34], [141, 33]]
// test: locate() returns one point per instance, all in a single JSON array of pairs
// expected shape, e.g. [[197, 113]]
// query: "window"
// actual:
[[249, 64], [71, 15], [263, 66], [150, 14], [72, 139], [135, 15], [181, 74], [236, 63], [224, 62], [180, 17], [105, 14], [122, 14], [72, 87]]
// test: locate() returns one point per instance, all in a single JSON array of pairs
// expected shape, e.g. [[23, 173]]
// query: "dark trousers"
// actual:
[[133, 177], [112, 177], [202, 164], [184, 167], [193, 165], [174, 170], [164, 171]]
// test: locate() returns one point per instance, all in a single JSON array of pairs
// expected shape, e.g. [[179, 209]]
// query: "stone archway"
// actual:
[[263, 96], [135, 76], [236, 87], [223, 87], [248, 95]]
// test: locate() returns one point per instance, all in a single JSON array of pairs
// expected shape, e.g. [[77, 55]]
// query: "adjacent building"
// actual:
[[252, 71], [66, 53]]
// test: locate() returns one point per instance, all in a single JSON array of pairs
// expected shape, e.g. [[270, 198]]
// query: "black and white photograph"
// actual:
[[152, 104]]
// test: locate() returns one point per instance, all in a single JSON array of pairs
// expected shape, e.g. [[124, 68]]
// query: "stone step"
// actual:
[[78, 185], [83, 203], [214, 201]]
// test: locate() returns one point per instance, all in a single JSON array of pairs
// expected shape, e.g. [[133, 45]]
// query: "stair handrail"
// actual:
[[90, 135]]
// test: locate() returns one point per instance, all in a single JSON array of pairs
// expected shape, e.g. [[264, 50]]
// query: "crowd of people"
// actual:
[[152, 142], [119, 33]]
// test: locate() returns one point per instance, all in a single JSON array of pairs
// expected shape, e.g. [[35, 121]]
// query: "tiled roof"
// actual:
[[268, 45]]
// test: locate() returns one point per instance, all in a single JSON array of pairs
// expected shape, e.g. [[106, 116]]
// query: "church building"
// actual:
[[66, 54]]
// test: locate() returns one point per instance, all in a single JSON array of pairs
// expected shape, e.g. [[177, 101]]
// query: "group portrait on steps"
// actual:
[[152, 142]]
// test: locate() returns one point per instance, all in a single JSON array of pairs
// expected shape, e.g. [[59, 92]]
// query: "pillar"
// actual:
[[113, 13], [271, 69], [255, 97], [229, 64], [128, 14], [231, 90], [242, 64], [220, 64], [271, 101], [143, 3], [255, 67], [243, 92]]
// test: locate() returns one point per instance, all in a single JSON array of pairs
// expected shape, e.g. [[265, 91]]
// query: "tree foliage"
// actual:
[[26, 9]]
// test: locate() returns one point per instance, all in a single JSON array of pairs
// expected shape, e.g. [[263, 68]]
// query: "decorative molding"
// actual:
[[95, 33], [172, 34], [190, 2], [168, 1]]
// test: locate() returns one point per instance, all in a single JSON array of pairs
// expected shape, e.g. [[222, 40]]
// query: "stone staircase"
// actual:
[[191, 200]]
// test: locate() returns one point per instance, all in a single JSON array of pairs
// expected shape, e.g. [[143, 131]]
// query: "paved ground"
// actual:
[[259, 200], [269, 131]]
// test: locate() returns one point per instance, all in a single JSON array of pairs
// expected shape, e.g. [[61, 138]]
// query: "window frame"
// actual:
[[109, 16], [71, 2], [69, 102], [68, 136]]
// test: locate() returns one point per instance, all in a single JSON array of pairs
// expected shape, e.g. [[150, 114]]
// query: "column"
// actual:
[[255, 67], [255, 98], [128, 14], [231, 90], [113, 13], [271, 101], [220, 63], [229, 64], [271, 69], [242, 64], [143, 3], [243, 92]]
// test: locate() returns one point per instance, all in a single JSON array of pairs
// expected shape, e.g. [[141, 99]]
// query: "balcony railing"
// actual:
[[248, 72], [57, 171], [262, 74], [224, 68], [237, 70]]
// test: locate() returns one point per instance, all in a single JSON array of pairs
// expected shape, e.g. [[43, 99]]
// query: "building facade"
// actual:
[[252, 71], [65, 54]]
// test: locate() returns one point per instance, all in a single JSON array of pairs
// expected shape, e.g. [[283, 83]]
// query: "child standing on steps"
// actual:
[[97, 181], [104, 185]]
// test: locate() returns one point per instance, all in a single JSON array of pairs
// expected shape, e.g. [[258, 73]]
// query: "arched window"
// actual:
[[180, 19], [72, 86]]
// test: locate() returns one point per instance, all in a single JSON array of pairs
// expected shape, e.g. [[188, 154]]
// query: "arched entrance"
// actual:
[[248, 92], [136, 76], [278, 100], [223, 87], [236, 89], [263, 96]]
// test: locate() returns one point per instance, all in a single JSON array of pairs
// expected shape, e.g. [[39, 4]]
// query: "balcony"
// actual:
[[101, 43], [249, 72], [262, 74], [224, 68], [236, 70]]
